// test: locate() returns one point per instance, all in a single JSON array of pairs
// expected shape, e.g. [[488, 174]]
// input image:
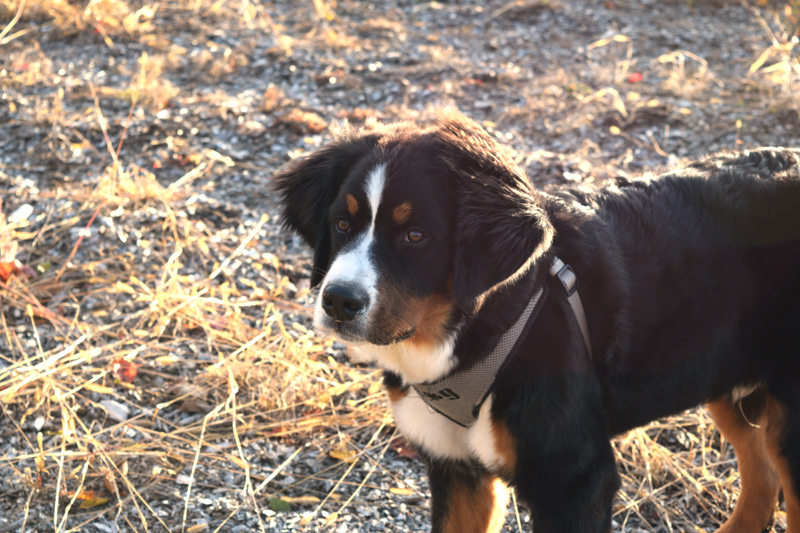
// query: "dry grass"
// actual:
[[776, 72], [67, 370], [185, 332], [688, 75], [273, 381]]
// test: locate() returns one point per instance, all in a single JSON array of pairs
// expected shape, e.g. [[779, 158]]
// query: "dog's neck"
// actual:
[[480, 332], [460, 394]]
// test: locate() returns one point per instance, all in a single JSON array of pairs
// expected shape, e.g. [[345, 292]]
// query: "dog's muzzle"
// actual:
[[344, 302]]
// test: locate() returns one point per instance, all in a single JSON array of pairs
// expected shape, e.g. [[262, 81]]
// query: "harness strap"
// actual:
[[569, 280]]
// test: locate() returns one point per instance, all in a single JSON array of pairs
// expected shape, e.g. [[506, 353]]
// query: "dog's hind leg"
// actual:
[[783, 445], [759, 480], [466, 498]]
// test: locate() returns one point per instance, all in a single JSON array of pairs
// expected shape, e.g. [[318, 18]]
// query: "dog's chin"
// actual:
[[377, 339], [357, 335], [388, 340]]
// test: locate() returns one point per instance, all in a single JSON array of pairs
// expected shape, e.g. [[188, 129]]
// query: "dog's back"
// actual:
[[697, 272], [755, 194]]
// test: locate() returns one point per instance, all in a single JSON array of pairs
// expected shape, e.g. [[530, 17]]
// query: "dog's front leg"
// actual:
[[465, 498], [565, 471], [571, 494]]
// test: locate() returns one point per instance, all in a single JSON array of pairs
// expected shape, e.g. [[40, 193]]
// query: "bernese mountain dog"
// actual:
[[521, 329]]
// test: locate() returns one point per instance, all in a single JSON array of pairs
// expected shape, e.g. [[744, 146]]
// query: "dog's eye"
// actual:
[[342, 225], [413, 236]]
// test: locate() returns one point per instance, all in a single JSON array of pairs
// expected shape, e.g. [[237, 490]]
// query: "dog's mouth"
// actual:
[[347, 332], [404, 336]]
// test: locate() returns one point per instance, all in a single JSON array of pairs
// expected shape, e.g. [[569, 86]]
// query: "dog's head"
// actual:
[[412, 229]]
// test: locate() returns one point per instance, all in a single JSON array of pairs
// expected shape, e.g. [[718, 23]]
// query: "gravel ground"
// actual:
[[223, 97]]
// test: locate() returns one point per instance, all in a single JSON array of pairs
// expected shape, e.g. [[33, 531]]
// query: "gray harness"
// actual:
[[459, 395]]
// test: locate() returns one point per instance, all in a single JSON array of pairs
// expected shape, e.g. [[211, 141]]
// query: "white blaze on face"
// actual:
[[375, 184], [355, 266]]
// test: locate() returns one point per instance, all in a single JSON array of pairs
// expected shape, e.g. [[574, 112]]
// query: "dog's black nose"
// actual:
[[344, 302]]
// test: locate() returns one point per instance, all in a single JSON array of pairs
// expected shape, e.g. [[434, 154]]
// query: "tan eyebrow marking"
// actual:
[[402, 213], [352, 204]]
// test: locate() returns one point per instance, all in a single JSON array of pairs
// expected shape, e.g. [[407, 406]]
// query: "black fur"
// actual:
[[690, 281]]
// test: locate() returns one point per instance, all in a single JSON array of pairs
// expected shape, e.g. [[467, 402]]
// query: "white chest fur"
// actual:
[[444, 439]]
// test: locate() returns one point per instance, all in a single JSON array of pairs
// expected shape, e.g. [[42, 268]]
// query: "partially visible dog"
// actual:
[[436, 260]]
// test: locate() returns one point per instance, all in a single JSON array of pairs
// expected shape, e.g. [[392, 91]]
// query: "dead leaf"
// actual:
[[195, 405], [274, 98], [111, 486], [403, 449], [124, 287], [94, 502], [116, 410], [7, 269], [124, 370], [348, 456], [303, 122], [9, 265]]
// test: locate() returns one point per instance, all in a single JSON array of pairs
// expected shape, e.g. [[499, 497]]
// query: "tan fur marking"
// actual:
[[398, 312], [352, 204], [432, 313], [476, 509], [396, 393], [402, 213], [759, 480], [775, 422], [505, 444]]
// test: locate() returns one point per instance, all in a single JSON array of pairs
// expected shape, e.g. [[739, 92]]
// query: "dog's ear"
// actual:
[[501, 228], [309, 185], [500, 233]]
